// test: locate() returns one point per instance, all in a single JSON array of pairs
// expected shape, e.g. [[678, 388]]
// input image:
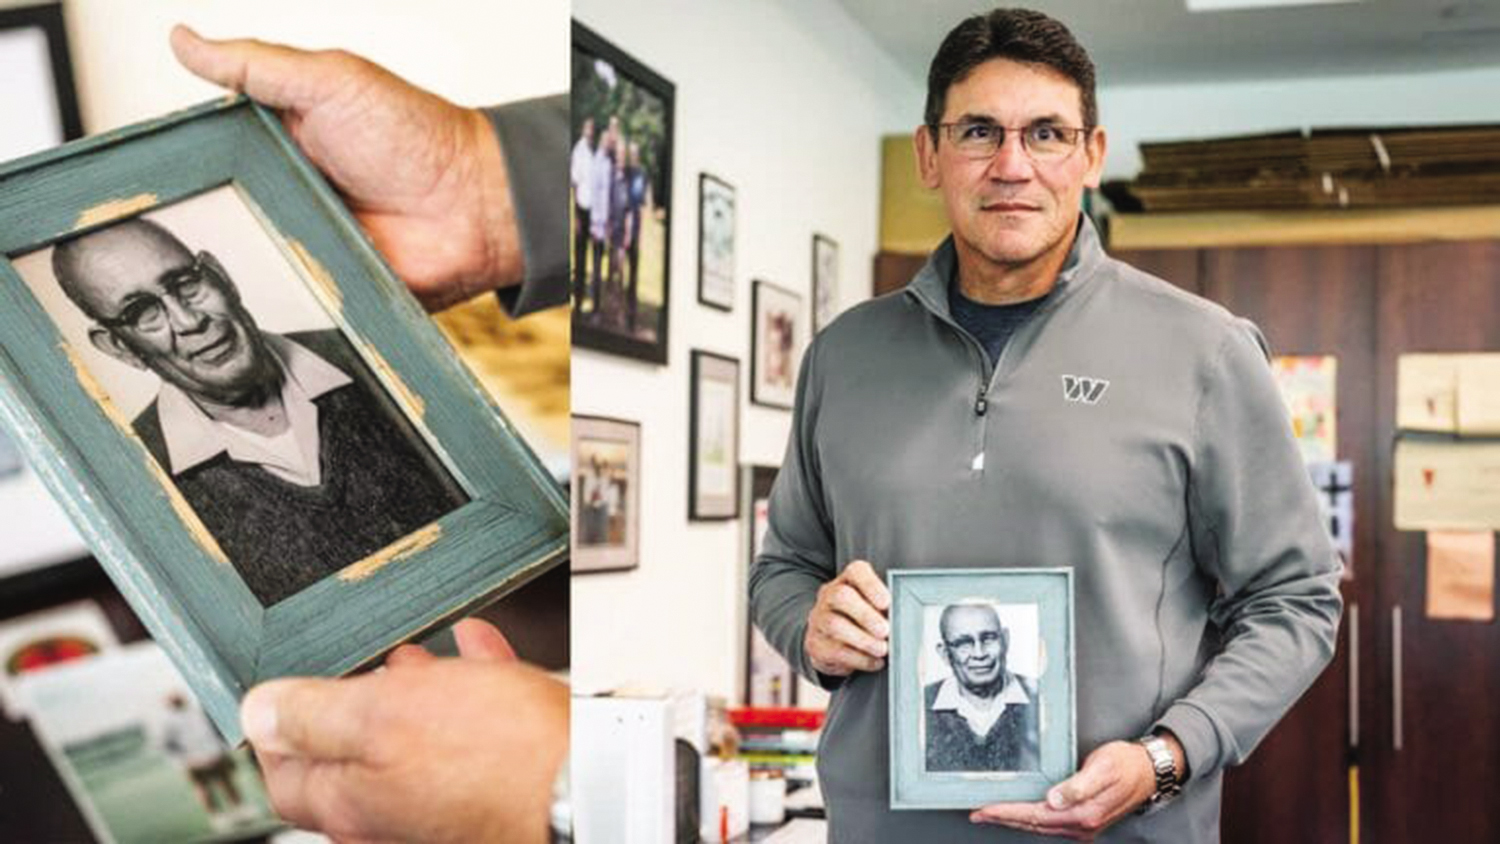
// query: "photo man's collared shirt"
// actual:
[[980, 717], [193, 438]]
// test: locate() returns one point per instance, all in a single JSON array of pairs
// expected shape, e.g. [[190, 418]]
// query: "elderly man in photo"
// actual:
[[984, 717], [1028, 400], [285, 446]]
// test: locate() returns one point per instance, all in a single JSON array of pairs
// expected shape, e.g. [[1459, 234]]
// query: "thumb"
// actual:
[[1082, 786], [314, 718], [271, 73], [479, 639]]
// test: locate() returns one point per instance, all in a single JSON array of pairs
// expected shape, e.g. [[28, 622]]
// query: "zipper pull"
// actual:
[[981, 404]]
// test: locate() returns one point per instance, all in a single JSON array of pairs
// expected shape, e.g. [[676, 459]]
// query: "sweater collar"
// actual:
[[930, 286]]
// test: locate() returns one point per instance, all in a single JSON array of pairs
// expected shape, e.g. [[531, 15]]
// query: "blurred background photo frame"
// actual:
[[777, 338], [714, 437], [825, 281], [123, 732], [716, 240], [606, 494], [1003, 639], [39, 99], [209, 224], [622, 137]]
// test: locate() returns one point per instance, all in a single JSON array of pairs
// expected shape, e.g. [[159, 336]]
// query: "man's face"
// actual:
[[1011, 209], [588, 130], [178, 317], [975, 645]]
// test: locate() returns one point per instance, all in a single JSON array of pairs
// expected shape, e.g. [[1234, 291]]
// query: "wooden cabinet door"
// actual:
[[1443, 783], [1311, 301]]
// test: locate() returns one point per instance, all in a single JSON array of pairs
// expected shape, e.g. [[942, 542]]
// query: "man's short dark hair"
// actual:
[[1020, 35]]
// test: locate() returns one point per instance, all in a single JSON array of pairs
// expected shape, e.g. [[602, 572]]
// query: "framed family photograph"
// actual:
[[622, 194], [982, 688], [269, 446], [776, 342], [606, 494], [825, 281], [715, 242], [39, 100], [769, 678], [714, 438]]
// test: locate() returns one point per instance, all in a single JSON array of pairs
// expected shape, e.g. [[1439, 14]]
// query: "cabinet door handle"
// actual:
[[1353, 676], [1396, 677]]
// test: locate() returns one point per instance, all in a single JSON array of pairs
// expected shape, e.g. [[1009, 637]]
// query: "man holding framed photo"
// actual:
[[1056, 408]]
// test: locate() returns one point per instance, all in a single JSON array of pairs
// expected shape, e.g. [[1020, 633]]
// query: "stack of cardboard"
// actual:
[[1340, 168]]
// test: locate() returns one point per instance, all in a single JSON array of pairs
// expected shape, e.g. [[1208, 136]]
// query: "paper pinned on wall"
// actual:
[[1461, 575], [1447, 485], [1335, 485], [1308, 385], [1479, 394], [1427, 393]]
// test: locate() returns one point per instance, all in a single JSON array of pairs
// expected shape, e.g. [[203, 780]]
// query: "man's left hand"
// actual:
[[1115, 779]]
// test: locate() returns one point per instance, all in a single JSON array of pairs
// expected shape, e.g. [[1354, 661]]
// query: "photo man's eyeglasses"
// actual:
[[188, 287], [1043, 141]]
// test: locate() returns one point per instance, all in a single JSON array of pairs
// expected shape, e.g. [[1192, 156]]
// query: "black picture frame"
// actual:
[[711, 187], [757, 481], [764, 389], [825, 281], [706, 503], [627, 324], [49, 18]]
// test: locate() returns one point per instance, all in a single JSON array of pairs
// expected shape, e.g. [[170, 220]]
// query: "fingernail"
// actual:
[[882, 629], [258, 718], [1056, 800]]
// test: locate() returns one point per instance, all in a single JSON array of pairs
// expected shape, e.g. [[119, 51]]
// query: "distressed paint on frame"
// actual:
[[396, 551], [115, 209]]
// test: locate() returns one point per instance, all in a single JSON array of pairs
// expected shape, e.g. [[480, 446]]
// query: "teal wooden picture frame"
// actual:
[[153, 545], [929, 767]]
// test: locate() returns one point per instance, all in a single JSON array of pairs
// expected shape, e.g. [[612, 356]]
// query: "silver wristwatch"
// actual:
[[1168, 778]]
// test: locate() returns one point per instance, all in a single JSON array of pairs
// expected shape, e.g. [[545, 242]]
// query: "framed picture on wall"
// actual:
[[264, 439], [825, 280], [715, 242], [621, 268], [961, 634], [38, 99], [776, 341], [769, 678], [606, 494], [713, 437]]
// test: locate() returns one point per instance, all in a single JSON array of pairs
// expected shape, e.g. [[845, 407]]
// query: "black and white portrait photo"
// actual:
[[207, 340], [981, 708]]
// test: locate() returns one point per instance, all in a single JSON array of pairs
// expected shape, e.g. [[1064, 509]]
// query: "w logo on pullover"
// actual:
[[1082, 389]]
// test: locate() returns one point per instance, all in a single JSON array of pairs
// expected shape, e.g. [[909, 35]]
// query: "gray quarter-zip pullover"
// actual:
[[1129, 430]]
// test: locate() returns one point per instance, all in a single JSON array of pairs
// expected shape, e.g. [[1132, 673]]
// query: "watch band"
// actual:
[[1164, 766]]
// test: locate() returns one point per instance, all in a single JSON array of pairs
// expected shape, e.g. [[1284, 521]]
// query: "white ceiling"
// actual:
[[1159, 41]]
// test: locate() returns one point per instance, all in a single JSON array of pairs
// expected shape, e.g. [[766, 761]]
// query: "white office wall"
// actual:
[[786, 101], [1133, 114], [475, 52]]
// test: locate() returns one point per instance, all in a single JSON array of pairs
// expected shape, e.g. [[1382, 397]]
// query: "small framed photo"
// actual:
[[267, 444], [714, 438], [606, 494], [769, 678], [622, 126], [825, 280], [38, 99], [776, 341], [138, 754], [715, 242], [982, 686]]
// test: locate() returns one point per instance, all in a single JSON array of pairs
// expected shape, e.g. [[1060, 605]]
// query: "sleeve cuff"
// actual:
[[533, 137], [1195, 732]]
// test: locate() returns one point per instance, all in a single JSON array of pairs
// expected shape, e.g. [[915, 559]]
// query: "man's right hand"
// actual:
[[847, 629]]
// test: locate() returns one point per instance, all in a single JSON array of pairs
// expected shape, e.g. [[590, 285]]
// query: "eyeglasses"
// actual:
[[963, 646], [1043, 141], [188, 287]]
